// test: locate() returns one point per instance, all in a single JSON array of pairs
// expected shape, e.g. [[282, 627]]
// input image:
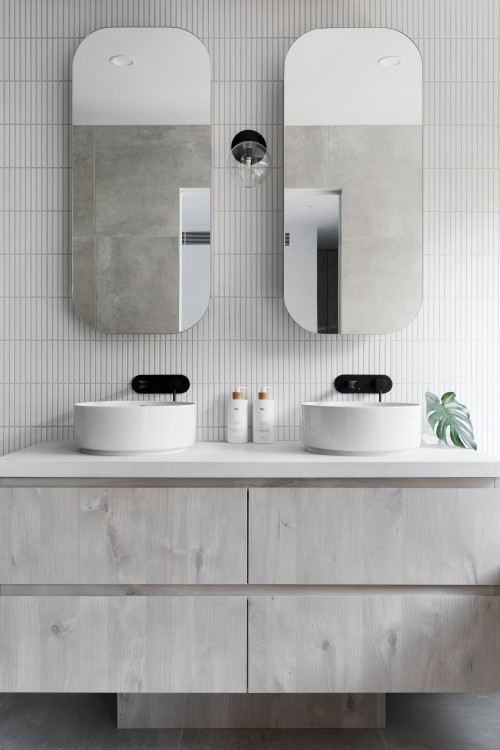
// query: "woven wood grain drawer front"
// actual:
[[377, 644], [374, 536], [133, 536], [178, 644]]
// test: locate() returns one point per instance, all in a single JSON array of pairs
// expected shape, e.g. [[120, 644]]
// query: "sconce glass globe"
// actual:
[[249, 161]]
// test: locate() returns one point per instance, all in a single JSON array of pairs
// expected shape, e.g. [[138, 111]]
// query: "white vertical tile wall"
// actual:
[[50, 358]]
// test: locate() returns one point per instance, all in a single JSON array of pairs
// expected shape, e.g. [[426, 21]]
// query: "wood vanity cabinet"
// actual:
[[61, 549], [374, 536], [132, 535], [374, 643], [226, 590], [111, 644], [394, 590]]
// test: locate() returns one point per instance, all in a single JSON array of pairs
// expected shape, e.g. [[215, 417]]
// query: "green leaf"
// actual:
[[450, 420]]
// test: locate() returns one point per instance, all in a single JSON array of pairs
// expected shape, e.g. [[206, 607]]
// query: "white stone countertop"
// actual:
[[286, 460]]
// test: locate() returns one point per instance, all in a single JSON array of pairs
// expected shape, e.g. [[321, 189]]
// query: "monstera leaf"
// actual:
[[450, 420]]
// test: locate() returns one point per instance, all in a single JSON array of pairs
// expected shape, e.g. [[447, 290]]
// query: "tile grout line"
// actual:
[[381, 732]]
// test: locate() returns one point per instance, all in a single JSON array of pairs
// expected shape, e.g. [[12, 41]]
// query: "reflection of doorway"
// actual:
[[194, 255], [312, 231]]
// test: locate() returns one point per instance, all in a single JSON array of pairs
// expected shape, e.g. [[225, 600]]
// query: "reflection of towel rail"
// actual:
[[196, 238]]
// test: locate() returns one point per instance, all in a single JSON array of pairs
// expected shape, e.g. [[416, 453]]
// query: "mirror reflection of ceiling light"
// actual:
[[307, 208], [122, 60], [389, 62]]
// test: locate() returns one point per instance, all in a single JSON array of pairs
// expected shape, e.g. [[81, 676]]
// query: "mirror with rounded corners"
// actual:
[[141, 180], [353, 181]]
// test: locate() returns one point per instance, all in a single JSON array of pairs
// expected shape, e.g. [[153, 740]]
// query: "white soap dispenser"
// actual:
[[237, 418], [263, 418]]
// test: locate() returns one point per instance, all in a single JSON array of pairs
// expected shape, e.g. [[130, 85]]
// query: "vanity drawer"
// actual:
[[374, 536], [179, 644], [379, 643], [130, 536]]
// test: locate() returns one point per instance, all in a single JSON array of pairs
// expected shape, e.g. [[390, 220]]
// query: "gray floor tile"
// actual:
[[282, 739], [443, 722], [73, 722], [88, 722]]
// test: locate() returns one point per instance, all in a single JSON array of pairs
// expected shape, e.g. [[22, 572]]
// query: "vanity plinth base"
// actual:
[[250, 711]]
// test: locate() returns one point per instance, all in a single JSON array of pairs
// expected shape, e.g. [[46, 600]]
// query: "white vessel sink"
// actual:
[[129, 428], [360, 428]]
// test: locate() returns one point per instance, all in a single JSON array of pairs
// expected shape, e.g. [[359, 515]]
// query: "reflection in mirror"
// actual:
[[141, 180], [312, 258], [353, 181], [195, 255]]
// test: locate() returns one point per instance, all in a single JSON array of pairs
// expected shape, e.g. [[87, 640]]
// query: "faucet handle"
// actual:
[[382, 384], [353, 385], [141, 386]]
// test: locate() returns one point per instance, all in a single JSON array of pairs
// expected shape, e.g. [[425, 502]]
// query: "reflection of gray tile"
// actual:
[[282, 739], [138, 173], [137, 280], [306, 157], [381, 283], [384, 148], [379, 168], [83, 180], [139, 170], [381, 210], [84, 279]]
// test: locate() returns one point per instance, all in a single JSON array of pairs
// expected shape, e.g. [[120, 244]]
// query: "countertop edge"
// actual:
[[211, 461]]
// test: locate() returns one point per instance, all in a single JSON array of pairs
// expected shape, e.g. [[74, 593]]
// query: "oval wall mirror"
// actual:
[[141, 180], [353, 181]]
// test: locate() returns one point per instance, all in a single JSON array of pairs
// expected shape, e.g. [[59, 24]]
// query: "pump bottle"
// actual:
[[237, 418], [263, 418]]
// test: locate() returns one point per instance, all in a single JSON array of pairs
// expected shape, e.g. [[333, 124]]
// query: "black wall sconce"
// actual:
[[249, 161]]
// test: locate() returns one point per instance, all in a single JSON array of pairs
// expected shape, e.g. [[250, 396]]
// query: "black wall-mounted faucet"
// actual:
[[363, 384], [173, 384]]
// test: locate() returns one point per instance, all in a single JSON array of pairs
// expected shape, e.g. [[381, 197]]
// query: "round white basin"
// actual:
[[361, 428], [128, 428]]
